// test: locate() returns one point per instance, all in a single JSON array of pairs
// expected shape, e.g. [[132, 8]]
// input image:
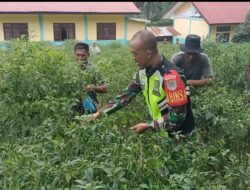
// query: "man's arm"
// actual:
[[122, 99], [98, 88], [170, 121], [201, 82], [99, 84]]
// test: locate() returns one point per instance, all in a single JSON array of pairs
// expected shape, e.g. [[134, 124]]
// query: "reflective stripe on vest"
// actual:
[[153, 92]]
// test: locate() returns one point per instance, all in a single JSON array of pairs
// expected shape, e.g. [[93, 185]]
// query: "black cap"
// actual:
[[192, 44]]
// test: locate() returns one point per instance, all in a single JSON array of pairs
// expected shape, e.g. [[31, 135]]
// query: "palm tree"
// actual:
[[153, 10], [149, 9]]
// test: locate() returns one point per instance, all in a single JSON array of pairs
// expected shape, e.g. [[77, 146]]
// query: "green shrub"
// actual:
[[43, 148]]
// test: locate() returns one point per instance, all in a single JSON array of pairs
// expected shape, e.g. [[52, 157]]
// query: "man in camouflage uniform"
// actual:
[[90, 104], [162, 86]]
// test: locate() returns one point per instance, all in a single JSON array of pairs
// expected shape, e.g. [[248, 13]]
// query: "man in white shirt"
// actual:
[[94, 49]]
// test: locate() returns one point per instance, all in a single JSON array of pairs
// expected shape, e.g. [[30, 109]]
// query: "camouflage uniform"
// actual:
[[175, 118], [96, 80]]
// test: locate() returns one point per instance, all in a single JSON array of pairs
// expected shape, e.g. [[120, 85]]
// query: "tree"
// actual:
[[148, 9], [153, 10], [242, 32], [165, 22]]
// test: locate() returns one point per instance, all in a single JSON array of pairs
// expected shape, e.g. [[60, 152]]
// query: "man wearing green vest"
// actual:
[[163, 87]]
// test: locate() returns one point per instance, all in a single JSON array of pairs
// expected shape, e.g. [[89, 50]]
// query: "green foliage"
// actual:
[[42, 147], [161, 22], [153, 10], [37, 82], [242, 33], [229, 62]]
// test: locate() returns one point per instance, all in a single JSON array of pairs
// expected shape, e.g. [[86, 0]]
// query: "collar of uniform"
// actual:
[[84, 64], [150, 71]]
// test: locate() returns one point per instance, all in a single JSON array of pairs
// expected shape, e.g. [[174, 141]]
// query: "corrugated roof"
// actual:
[[223, 12], [163, 31], [140, 20], [69, 7], [173, 31]]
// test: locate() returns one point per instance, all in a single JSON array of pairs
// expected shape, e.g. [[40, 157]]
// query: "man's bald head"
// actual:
[[146, 39]]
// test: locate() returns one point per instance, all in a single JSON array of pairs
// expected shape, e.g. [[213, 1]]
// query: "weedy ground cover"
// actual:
[[42, 147]]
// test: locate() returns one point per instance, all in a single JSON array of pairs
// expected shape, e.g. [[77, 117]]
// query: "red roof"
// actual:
[[69, 7], [223, 12]]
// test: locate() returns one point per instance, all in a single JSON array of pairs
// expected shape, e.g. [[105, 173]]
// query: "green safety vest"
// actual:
[[152, 88]]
